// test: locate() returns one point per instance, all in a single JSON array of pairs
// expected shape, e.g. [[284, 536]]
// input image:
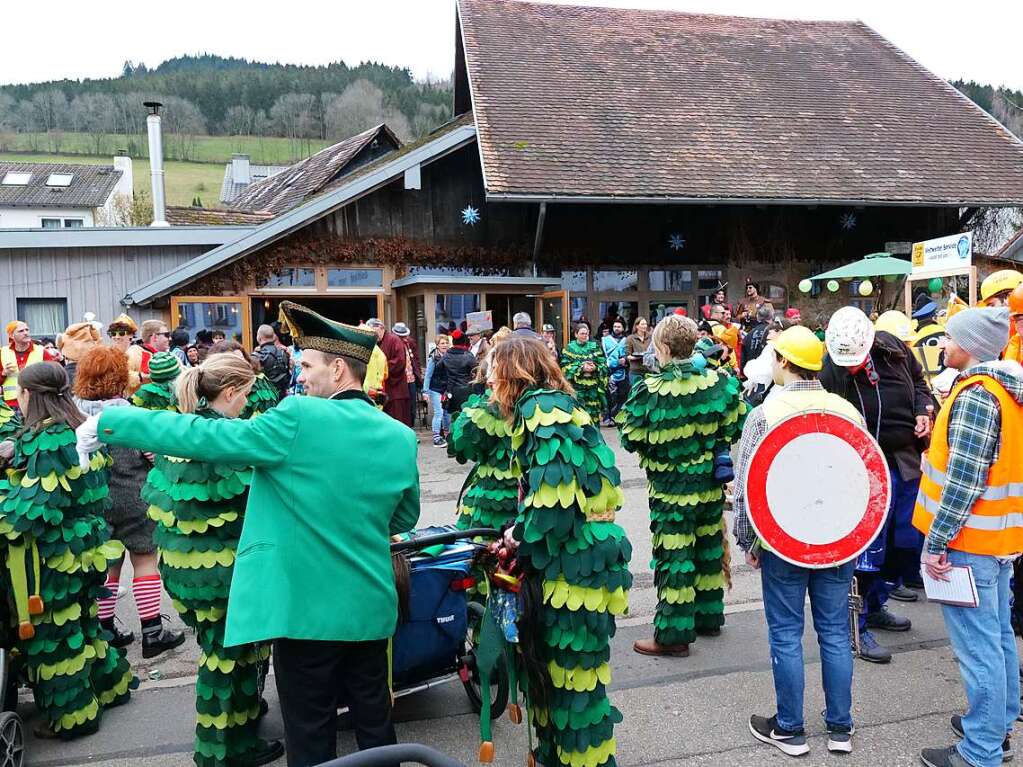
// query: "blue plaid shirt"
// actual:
[[974, 429]]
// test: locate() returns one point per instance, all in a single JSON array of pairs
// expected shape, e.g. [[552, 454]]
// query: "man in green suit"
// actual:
[[333, 479]]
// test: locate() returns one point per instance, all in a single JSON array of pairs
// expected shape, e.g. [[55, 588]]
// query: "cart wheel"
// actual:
[[12, 740], [499, 680]]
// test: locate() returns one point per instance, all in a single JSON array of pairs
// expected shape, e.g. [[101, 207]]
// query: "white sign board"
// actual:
[[477, 322], [943, 254]]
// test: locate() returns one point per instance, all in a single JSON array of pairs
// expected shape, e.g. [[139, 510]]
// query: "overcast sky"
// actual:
[[977, 40]]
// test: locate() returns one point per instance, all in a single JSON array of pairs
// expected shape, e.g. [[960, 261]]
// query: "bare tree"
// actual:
[[1007, 112], [293, 114], [50, 109], [361, 106], [95, 114], [8, 113], [182, 123], [238, 121], [128, 211]]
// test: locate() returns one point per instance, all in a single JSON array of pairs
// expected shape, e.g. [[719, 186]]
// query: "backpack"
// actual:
[[275, 367]]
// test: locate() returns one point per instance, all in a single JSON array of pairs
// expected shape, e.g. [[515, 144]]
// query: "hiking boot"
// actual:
[[902, 594], [957, 728], [439, 441], [118, 638], [788, 742], [943, 757], [885, 621], [650, 647], [871, 651], [156, 638]]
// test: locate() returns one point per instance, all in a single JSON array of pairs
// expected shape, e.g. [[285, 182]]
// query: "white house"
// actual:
[[62, 196]]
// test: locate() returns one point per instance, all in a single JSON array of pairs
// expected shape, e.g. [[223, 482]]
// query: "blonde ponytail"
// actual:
[[208, 380]]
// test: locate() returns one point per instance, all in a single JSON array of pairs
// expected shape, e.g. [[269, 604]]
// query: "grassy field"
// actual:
[[263, 151], [183, 180]]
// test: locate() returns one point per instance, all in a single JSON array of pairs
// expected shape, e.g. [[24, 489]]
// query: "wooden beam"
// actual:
[[538, 239]]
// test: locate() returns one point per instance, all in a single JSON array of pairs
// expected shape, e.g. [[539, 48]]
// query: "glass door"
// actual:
[[553, 312]]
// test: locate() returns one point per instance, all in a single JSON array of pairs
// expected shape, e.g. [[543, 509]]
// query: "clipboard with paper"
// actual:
[[959, 590]]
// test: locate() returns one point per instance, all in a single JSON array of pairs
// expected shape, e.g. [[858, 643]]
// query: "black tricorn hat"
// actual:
[[314, 331]]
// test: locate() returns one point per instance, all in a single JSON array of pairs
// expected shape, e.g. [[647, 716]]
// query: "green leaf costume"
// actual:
[[590, 388], [569, 540], [677, 420], [199, 508], [155, 395], [55, 544], [262, 397], [490, 496]]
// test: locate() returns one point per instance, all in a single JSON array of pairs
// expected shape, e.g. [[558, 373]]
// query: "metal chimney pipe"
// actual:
[[156, 163]]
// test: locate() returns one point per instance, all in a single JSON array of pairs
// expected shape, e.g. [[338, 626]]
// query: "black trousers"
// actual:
[[313, 677]]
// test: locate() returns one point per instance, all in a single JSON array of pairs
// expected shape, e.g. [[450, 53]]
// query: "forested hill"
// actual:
[[210, 94]]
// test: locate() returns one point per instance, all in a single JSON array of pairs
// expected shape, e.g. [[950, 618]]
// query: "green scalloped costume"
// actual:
[[155, 396], [590, 388], [262, 397], [199, 508], [677, 420], [491, 493], [51, 508], [568, 537]]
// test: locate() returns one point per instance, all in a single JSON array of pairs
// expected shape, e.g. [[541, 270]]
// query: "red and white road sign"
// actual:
[[817, 489]]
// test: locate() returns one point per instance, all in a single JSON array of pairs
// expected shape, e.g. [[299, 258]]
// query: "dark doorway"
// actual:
[[351, 310]]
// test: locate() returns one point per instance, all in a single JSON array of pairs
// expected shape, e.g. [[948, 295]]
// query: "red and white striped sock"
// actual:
[[108, 605], [146, 590]]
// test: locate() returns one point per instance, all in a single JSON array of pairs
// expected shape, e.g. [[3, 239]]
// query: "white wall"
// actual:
[[32, 218]]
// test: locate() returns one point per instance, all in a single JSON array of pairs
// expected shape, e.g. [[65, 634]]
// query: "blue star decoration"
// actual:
[[470, 216], [848, 221], [676, 242]]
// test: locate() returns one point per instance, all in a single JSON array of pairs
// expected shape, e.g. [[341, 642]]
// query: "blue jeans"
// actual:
[[986, 650], [785, 587], [441, 417]]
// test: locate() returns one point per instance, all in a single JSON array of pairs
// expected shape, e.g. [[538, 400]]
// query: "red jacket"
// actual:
[[393, 348]]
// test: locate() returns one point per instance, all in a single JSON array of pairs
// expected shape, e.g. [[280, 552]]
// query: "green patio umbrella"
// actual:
[[874, 265]]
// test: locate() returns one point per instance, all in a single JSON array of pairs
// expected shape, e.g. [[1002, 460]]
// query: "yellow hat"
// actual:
[[123, 321], [896, 323], [801, 347], [999, 282]]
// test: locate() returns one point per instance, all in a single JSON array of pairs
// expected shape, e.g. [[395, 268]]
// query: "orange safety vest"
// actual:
[[8, 357], [995, 525]]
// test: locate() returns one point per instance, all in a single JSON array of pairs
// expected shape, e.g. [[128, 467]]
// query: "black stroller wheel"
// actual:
[[12, 740], [499, 681]]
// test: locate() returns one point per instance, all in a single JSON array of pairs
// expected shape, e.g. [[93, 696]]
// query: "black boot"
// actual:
[[120, 638], [156, 638]]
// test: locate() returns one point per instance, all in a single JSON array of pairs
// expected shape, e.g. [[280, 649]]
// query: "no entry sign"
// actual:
[[817, 489]]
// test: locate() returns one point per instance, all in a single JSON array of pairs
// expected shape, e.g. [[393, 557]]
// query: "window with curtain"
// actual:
[[44, 316]]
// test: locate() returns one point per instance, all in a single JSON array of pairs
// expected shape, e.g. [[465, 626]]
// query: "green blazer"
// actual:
[[332, 480]]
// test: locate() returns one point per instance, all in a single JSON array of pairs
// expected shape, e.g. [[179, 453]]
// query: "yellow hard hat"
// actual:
[[896, 323], [801, 347], [999, 282]]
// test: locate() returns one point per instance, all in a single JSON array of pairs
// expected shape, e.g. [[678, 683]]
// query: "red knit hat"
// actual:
[[681, 312]]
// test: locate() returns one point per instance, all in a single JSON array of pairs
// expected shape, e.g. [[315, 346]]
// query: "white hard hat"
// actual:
[[849, 336]]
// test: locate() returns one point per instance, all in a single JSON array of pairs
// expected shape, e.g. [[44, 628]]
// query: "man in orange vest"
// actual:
[[1014, 351], [19, 352], [970, 507]]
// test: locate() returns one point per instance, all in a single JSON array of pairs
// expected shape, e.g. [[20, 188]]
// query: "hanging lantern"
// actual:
[[805, 286], [934, 284], [866, 288], [833, 286]]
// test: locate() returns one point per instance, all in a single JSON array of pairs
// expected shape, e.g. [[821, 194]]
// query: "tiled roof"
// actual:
[[288, 189], [189, 216], [230, 189], [90, 187], [610, 102]]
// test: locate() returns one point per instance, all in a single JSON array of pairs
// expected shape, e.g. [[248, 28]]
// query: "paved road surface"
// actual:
[[677, 711]]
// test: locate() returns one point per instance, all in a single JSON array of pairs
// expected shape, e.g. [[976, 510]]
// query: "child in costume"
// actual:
[[54, 543], [100, 381], [681, 422], [199, 508], [158, 393], [585, 366], [573, 557], [490, 495]]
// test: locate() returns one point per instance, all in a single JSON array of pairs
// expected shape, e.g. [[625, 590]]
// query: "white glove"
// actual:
[[88, 440]]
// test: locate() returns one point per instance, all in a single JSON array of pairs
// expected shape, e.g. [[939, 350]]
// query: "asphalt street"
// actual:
[[691, 711]]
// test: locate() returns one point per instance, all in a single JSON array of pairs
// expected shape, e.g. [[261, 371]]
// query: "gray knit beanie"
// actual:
[[983, 333]]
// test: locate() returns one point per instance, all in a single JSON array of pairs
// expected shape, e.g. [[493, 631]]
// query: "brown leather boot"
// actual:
[[650, 647]]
